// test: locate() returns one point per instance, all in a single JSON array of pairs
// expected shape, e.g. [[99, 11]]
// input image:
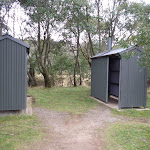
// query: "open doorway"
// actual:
[[113, 84]]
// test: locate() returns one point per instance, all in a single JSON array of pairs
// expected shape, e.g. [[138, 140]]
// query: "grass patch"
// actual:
[[148, 98], [135, 113], [17, 132], [127, 137], [75, 100]]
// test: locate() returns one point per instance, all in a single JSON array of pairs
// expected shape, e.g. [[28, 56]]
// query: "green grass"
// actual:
[[74, 100], [135, 113], [148, 98], [127, 137], [17, 132]]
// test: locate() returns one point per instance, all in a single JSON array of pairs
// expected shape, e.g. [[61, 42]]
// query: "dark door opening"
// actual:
[[113, 81]]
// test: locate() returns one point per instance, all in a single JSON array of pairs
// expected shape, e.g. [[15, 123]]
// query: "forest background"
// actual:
[[65, 34]]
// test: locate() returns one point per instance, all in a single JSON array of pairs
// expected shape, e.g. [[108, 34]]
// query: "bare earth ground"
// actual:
[[73, 132]]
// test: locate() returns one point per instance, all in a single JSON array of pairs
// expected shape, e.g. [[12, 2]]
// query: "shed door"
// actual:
[[99, 78]]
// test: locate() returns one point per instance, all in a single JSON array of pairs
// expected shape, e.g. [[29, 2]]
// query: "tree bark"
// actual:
[[74, 76], [77, 54], [47, 81], [86, 56], [31, 75], [42, 68], [91, 44], [80, 73], [89, 35]]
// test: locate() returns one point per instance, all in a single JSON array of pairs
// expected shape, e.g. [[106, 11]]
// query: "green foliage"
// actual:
[[76, 17], [125, 22], [63, 64], [32, 58], [131, 136], [139, 15], [5, 6], [16, 132], [42, 10], [73, 100], [85, 69], [129, 54]]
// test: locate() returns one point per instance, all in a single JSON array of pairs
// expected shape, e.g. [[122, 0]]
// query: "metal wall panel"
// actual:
[[99, 78], [114, 77], [114, 90], [132, 84], [13, 75]]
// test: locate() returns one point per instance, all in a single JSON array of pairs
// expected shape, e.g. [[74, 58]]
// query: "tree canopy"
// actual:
[[81, 29]]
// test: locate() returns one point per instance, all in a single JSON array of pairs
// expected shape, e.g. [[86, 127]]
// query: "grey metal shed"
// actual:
[[13, 73], [112, 74]]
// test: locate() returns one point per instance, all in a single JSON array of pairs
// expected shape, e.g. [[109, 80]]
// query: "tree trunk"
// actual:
[[47, 80], [80, 73], [31, 75], [91, 44], [77, 55], [74, 76], [89, 35], [86, 56]]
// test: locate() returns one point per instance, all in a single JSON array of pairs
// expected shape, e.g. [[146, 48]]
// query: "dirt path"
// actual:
[[73, 132]]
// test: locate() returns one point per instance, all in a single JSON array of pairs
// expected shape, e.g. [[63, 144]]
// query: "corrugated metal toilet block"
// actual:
[[114, 75], [13, 75]]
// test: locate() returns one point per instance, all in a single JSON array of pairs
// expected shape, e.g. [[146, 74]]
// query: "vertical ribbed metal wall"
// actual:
[[132, 83], [12, 75], [99, 78]]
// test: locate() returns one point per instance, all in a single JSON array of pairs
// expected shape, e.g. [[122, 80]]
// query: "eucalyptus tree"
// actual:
[[105, 21], [139, 16], [74, 26], [32, 64], [43, 15], [113, 20], [138, 24]]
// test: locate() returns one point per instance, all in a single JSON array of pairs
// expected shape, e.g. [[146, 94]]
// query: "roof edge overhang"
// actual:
[[15, 40], [117, 51]]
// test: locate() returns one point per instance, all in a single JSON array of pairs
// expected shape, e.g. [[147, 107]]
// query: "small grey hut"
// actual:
[[13, 73], [112, 74]]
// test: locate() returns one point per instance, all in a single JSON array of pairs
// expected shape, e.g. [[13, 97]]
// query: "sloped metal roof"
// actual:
[[7, 36], [115, 51]]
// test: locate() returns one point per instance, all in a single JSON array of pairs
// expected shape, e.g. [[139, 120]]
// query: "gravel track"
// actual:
[[65, 131]]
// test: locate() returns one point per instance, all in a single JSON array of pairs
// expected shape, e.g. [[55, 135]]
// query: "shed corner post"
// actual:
[[145, 87], [120, 78], [26, 86], [91, 77], [107, 79]]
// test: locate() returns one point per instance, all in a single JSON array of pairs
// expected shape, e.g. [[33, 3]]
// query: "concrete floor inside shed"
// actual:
[[112, 102]]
